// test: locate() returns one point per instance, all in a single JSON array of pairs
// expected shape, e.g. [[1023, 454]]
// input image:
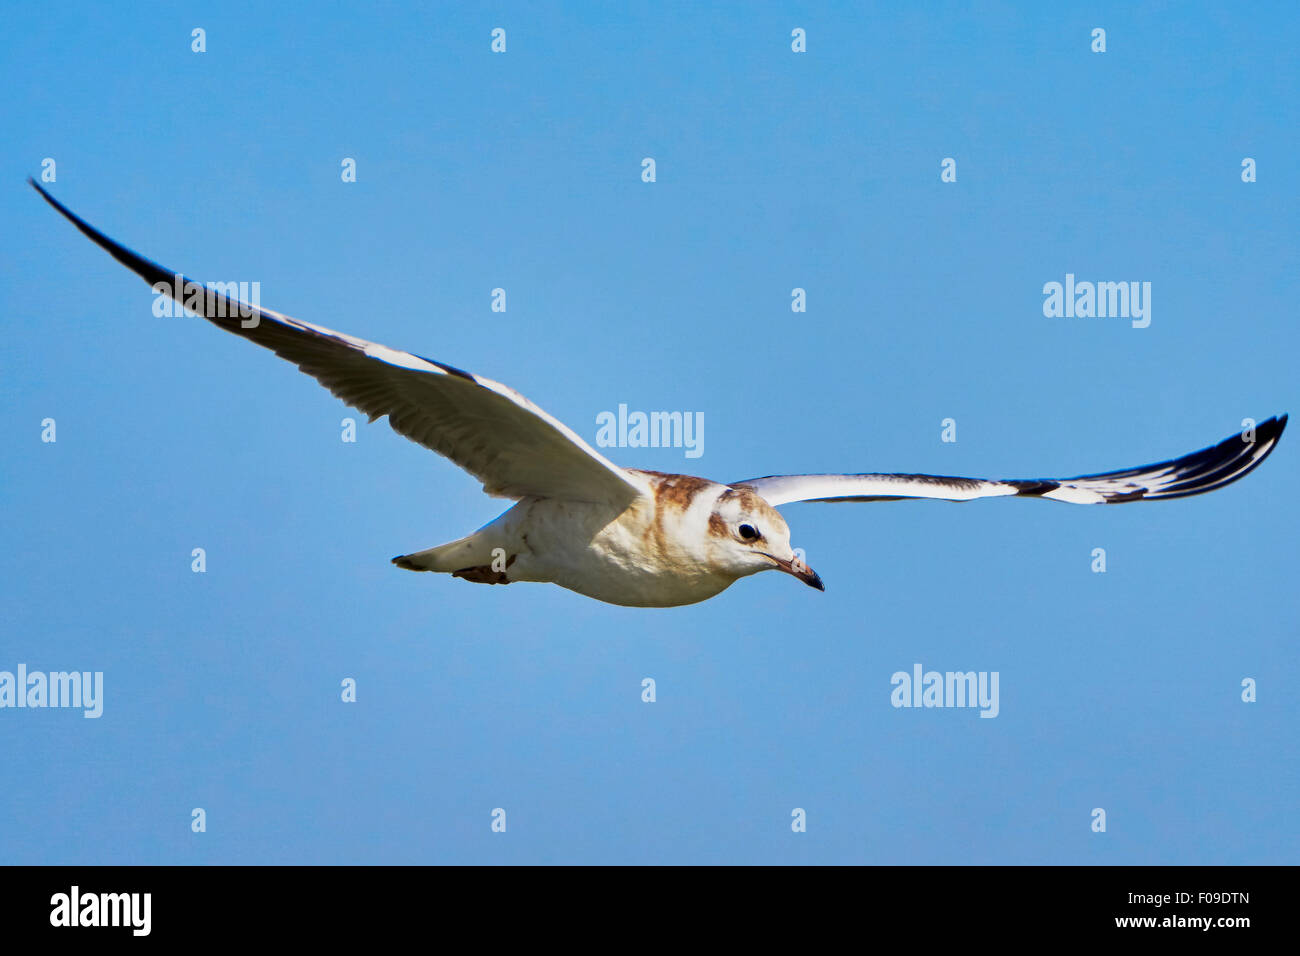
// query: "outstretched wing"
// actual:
[[1192, 474], [490, 430]]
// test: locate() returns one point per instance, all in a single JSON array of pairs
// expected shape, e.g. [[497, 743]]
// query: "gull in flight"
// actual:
[[620, 535]]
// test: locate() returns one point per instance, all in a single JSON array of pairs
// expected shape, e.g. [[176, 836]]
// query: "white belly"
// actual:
[[622, 558]]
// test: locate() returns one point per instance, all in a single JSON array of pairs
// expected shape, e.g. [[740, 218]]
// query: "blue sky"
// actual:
[[775, 170]]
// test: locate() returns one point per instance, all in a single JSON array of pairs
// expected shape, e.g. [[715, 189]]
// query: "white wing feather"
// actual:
[[497, 435], [1193, 474]]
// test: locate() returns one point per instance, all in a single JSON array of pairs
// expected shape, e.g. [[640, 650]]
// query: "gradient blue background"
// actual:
[[775, 170]]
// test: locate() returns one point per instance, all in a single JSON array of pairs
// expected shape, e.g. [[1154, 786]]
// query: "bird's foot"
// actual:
[[483, 574]]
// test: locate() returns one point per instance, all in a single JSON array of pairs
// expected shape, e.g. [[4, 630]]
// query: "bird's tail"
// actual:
[[475, 550]]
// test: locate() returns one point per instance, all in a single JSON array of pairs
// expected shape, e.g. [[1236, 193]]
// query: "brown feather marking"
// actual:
[[675, 492]]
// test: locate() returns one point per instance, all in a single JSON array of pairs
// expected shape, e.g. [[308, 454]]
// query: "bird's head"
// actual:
[[747, 535]]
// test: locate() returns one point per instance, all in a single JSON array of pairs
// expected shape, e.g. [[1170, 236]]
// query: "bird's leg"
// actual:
[[485, 573]]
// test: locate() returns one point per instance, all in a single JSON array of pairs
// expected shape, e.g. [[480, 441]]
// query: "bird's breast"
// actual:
[[650, 554]]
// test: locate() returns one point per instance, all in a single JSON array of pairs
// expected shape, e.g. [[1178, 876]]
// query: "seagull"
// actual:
[[620, 535]]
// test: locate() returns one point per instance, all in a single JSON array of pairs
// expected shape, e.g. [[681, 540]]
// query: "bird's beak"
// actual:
[[801, 571]]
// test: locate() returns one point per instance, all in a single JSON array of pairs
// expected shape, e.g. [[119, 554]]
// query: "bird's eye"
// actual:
[[748, 532]]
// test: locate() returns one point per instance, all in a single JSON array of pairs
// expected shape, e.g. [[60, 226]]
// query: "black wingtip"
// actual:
[[1270, 429], [45, 194], [146, 269], [1230, 460]]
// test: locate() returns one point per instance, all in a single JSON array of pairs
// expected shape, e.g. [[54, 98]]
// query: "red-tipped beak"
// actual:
[[801, 571]]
